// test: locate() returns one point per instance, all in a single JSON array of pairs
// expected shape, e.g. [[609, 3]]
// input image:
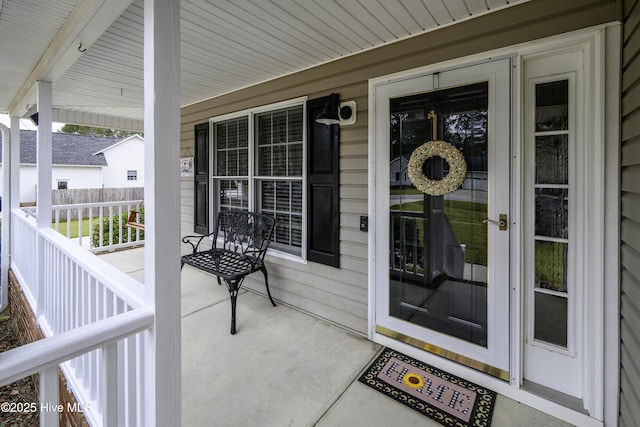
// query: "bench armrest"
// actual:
[[194, 241]]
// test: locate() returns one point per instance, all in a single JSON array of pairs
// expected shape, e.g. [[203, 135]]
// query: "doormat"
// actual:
[[443, 397]]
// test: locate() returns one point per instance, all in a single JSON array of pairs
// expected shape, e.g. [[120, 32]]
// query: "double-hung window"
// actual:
[[258, 166]]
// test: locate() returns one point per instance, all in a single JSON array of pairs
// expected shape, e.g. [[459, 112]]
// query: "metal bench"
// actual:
[[240, 242]]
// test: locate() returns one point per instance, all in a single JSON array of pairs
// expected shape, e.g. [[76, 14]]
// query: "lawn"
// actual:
[[62, 229]]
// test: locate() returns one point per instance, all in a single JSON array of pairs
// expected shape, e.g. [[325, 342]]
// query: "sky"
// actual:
[[26, 124]]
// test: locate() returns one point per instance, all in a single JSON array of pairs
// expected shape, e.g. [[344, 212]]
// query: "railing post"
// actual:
[[109, 381], [49, 400]]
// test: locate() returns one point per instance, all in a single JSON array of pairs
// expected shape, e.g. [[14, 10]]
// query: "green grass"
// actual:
[[466, 219], [62, 229]]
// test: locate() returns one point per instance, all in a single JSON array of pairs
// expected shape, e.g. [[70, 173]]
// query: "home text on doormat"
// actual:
[[443, 397]]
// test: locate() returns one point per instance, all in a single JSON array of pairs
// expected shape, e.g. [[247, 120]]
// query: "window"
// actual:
[[132, 175], [551, 211], [63, 184], [258, 166]]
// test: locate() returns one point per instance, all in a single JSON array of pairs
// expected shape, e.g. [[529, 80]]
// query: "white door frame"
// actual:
[[494, 358], [601, 369]]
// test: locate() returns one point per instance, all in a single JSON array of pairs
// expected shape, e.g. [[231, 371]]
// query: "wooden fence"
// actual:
[[79, 196]]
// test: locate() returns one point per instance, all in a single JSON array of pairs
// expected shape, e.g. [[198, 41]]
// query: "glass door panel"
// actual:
[[438, 265]]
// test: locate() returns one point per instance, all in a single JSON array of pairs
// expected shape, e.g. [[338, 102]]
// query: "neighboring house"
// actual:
[[398, 176], [125, 163], [82, 161]]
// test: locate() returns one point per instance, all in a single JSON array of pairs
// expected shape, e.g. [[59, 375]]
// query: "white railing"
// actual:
[[79, 290], [98, 226]]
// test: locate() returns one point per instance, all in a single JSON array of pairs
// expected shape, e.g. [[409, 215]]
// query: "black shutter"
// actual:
[[201, 184], [323, 178]]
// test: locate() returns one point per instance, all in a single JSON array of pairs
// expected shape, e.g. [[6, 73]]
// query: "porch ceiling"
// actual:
[[225, 45]]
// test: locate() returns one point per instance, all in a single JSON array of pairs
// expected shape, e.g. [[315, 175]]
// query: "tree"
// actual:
[[94, 131]]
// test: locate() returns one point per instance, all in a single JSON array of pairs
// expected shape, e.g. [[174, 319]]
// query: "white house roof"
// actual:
[[225, 45]]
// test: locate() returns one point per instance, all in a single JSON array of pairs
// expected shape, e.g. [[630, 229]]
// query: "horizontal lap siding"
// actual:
[[186, 205], [341, 295], [630, 224]]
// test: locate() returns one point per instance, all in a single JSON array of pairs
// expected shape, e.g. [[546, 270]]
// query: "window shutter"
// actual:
[[323, 180], [201, 184]]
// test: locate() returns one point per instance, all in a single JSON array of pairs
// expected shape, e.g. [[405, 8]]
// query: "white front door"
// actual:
[[442, 261]]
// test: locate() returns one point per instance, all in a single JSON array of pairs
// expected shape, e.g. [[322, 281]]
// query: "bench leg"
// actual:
[[234, 288], [234, 297], [266, 282]]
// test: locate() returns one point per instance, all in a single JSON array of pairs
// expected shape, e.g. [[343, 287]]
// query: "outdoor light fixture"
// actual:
[[32, 113], [343, 114], [329, 115]]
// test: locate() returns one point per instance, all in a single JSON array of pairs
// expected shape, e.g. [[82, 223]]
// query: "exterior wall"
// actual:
[[186, 205], [342, 296], [76, 177], [124, 156], [630, 223]]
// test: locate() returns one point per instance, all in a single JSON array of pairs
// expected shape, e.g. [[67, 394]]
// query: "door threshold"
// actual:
[[555, 396]]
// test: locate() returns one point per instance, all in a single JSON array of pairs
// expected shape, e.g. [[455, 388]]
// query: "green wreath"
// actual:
[[451, 182]]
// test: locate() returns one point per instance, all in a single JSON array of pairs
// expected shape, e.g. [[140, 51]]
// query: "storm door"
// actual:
[[442, 222]]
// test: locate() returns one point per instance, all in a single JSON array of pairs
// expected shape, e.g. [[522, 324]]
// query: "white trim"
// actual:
[[259, 109], [612, 113], [607, 37], [127, 139]]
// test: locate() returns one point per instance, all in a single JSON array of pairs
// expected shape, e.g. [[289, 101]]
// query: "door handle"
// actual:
[[501, 223]]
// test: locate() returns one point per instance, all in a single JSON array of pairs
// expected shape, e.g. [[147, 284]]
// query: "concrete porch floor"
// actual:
[[283, 367]]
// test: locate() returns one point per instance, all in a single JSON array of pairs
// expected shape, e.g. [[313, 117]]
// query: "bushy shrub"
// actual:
[[109, 238]]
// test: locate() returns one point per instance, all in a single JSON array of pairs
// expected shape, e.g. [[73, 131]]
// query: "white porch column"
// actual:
[[6, 216], [14, 191], [48, 377], [10, 198], [43, 189], [162, 210]]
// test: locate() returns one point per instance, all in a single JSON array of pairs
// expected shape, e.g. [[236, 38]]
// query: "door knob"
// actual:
[[501, 223]]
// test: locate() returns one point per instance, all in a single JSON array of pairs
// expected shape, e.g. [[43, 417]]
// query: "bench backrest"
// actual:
[[244, 232]]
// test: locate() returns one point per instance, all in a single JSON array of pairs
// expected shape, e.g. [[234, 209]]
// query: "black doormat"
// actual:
[[443, 397]]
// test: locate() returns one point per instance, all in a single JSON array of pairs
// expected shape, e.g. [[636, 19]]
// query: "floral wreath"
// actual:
[[451, 182]]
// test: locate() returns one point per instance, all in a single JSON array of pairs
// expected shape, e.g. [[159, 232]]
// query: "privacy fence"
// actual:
[[84, 196]]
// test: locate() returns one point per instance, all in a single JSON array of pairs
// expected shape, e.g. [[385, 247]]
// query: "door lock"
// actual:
[[502, 222]]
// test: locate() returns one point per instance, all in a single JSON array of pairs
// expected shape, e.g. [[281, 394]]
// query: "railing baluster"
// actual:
[[57, 220], [80, 227], [101, 235], [69, 223]]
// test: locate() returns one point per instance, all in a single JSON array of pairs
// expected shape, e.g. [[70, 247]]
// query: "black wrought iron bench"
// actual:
[[240, 242]]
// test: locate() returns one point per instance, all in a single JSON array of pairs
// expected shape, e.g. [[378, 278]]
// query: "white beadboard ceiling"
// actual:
[[225, 45]]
